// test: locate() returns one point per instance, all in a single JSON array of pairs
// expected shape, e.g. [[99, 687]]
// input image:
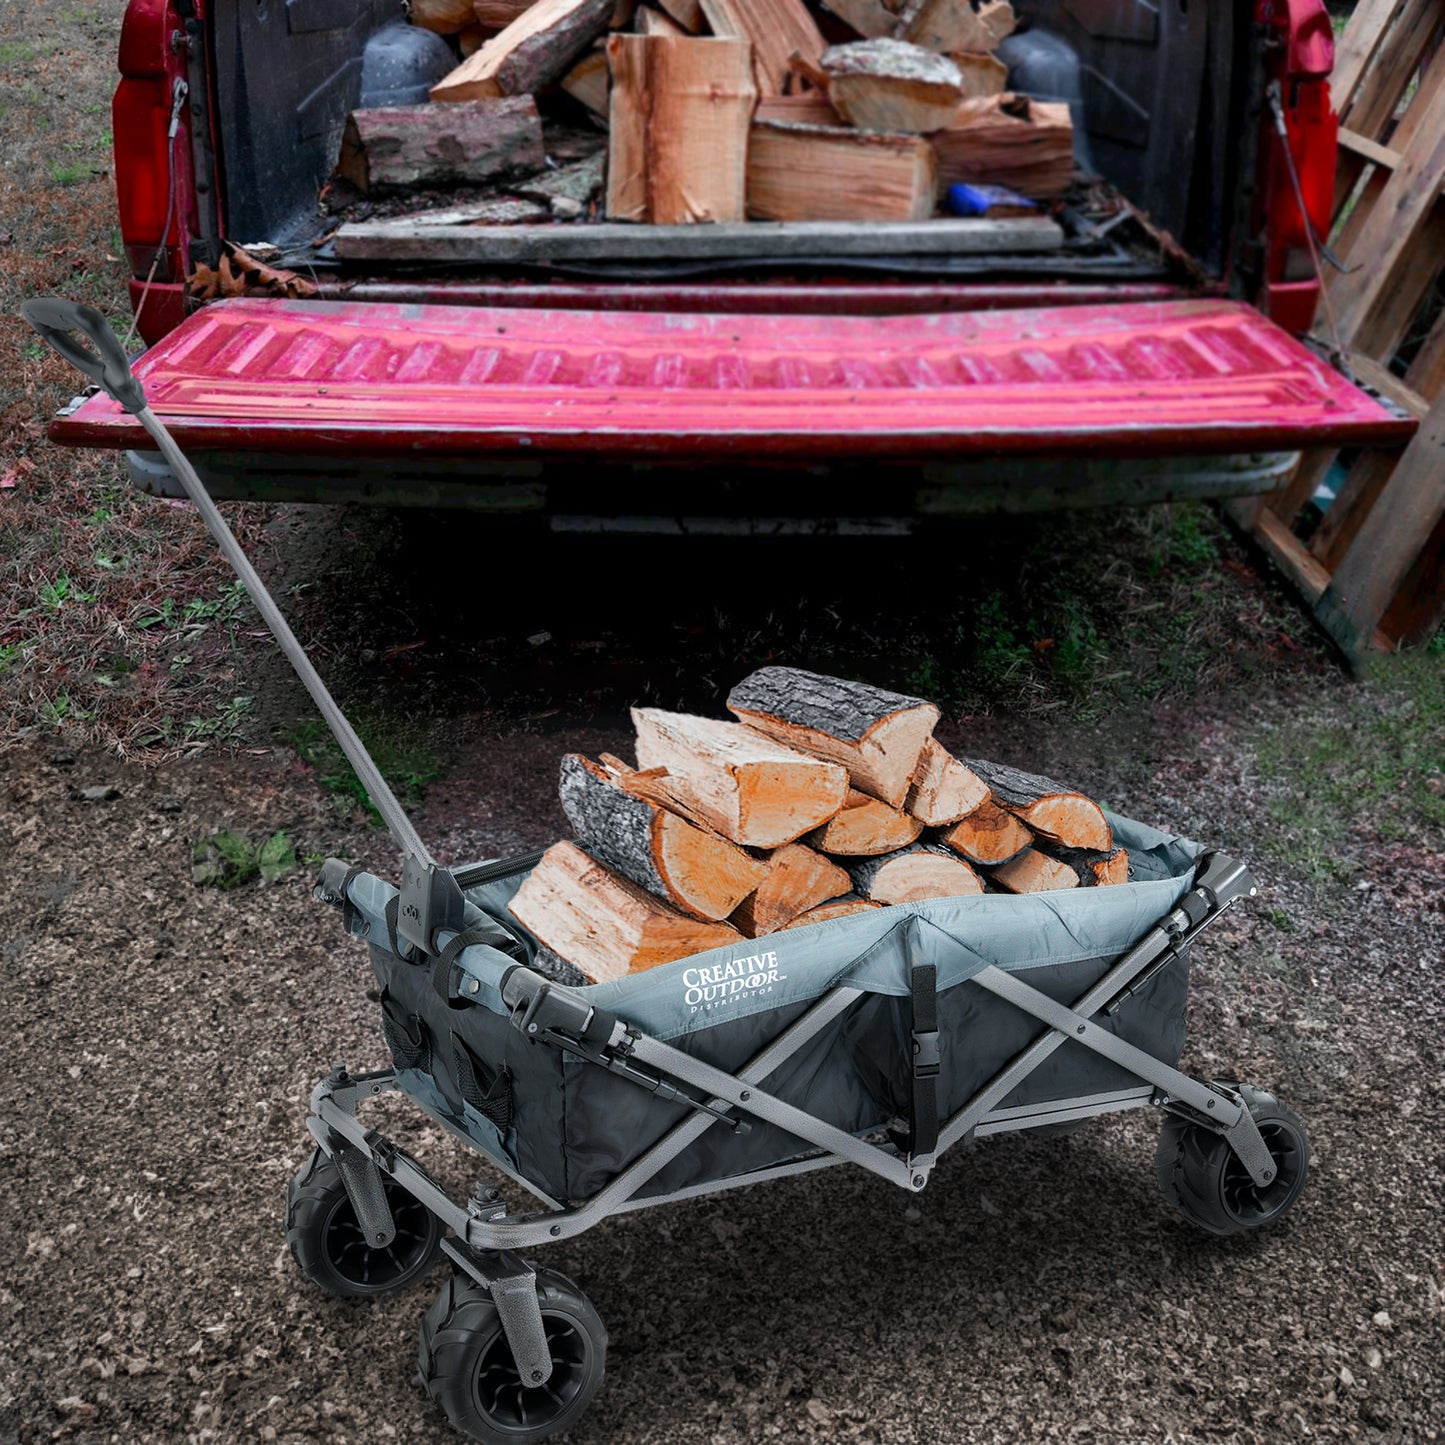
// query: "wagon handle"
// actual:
[[431, 899]]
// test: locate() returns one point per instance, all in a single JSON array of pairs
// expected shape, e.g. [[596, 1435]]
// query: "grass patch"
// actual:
[[69, 175], [1371, 770], [408, 766], [227, 859]]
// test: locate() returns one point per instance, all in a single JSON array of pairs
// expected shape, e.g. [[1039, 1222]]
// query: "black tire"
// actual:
[[328, 1244], [1201, 1176], [467, 1367]]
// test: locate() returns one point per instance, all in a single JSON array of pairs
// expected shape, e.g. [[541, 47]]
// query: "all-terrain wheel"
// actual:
[[468, 1370], [1202, 1177], [328, 1243]]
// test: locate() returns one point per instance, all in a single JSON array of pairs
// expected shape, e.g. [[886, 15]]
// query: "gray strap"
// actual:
[[398, 824]]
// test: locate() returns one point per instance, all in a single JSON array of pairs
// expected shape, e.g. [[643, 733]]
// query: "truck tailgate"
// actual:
[[349, 378]]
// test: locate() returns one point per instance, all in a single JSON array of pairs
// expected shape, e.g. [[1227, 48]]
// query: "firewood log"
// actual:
[[603, 924], [776, 28], [472, 39], [1009, 140], [798, 880], [865, 827], [653, 22], [989, 834], [1060, 813], [680, 111], [942, 790], [446, 17], [687, 13], [834, 908], [1034, 872], [426, 145], [807, 108], [922, 870], [983, 75], [539, 46], [954, 26], [891, 86], [872, 19], [587, 81], [811, 173], [877, 735], [695, 870], [496, 15], [747, 786], [1094, 869]]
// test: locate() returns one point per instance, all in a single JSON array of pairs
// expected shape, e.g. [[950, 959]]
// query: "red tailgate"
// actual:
[[351, 377]]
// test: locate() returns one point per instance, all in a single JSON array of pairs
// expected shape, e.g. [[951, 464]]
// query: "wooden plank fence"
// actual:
[[1373, 568]]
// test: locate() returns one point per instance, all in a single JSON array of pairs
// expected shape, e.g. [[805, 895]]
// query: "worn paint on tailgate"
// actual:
[[346, 377]]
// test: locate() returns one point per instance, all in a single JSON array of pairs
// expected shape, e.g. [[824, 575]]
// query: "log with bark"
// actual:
[[1094, 869], [605, 925], [989, 834], [538, 47], [922, 870], [747, 786], [775, 29], [865, 827], [1034, 872], [404, 146], [877, 735], [834, 908], [799, 879], [696, 870], [1009, 140], [806, 172], [1060, 813], [680, 109], [892, 86], [942, 790]]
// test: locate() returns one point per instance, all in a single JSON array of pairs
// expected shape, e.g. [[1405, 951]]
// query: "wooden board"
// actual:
[[791, 240], [681, 108]]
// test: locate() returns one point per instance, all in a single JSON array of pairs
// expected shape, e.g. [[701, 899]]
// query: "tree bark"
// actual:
[[866, 826], [696, 871], [942, 790], [878, 736], [1060, 813], [923, 870], [537, 48], [748, 787], [423, 145], [603, 924], [798, 880], [1095, 869]]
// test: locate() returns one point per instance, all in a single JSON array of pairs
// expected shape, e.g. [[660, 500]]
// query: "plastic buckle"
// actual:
[[926, 1056]]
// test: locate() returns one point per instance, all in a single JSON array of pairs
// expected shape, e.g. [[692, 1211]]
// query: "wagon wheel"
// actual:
[[1203, 1178], [327, 1240], [467, 1365]]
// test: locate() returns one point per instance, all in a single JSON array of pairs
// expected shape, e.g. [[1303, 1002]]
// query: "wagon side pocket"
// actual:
[[486, 1101], [410, 1042]]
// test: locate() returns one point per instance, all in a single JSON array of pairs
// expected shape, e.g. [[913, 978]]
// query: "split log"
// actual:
[[422, 145], [989, 834], [538, 47], [581, 182], [835, 908], [798, 880], [983, 75], [680, 112], [808, 107], [872, 19], [496, 15], [775, 28], [747, 786], [953, 27], [603, 924], [652, 784], [923, 870], [942, 790], [1095, 870], [687, 13], [694, 869], [472, 39], [654, 22], [587, 81], [832, 173], [1034, 872], [892, 86], [1009, 140], [445, 17], [866, 827], [877, 735], [1060, 813]]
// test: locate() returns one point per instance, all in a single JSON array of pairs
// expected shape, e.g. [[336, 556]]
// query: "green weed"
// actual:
[[227, 859], [408, 768], [54, 595], [16, 54], [69, 175]]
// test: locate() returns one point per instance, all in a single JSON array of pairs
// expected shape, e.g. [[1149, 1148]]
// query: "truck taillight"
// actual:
[[140, 115]]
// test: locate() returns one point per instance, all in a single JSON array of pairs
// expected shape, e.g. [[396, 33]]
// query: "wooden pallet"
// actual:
[[1373, 568]]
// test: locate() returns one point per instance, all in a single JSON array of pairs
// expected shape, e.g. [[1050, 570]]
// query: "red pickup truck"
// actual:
[[1129, 362]]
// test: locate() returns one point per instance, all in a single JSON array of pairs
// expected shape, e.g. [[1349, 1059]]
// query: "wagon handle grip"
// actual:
[[104, 361]]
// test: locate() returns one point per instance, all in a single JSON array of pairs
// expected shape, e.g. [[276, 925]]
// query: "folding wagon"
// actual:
[[880, 1039]]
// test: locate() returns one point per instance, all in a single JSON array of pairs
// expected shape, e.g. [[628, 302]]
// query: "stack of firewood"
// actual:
[[720, 110], [824, 798]]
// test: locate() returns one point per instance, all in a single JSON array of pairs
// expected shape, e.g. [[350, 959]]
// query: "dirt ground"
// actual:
[[160, 1039]]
